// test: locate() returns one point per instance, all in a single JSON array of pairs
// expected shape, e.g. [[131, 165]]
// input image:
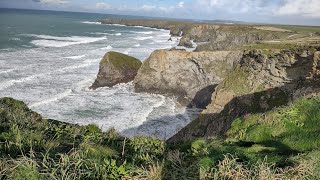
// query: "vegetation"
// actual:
[[120, 60], [302, 29], [281, 144]]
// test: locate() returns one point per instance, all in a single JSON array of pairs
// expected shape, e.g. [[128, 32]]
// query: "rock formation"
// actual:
[[186, 42], [213, 36], [190, 76], [260, 82], [116, 68]]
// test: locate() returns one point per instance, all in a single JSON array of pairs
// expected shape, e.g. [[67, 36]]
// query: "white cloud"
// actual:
[[52, 1], [307, 8], [231, 6], [169, 9], [102, 5], [181, 4], [148, 7]]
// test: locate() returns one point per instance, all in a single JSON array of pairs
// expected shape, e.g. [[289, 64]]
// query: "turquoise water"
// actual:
[[49, 59]]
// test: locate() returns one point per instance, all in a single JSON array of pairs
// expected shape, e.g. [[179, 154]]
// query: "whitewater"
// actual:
[[51, 69]]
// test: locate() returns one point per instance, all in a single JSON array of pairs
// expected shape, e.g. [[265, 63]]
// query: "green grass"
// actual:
[[281, 143], [121, 61], [295, 127], [302, 29], [236, 81]]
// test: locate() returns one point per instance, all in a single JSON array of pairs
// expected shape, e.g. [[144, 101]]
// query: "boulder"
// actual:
[[191, 76], [116, 68]]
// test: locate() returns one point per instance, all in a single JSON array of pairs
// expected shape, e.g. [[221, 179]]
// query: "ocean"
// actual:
[[50, 59]]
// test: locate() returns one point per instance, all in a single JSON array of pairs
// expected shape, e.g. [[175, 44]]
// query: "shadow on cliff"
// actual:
[[301, 81], [203, 97], [302, 75], [161, 125]]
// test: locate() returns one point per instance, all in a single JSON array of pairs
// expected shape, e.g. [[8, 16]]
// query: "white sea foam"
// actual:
[[76, 57], [140, 38], [53, 99], [142, 32], [86, 63], [137, 45], [55, 41], [15, 39], [121, 25], [7, 71], [9, 83], [90, 22], [104, 33], [100, 33], [106, 48], [127, 51], [163, 35]]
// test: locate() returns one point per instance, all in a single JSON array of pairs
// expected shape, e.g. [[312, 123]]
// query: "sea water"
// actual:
[[50, 59]]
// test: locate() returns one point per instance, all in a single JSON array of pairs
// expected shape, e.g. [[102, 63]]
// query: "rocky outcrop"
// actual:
[[116, 68], [224, 37], [213, 36], [186, 42], [191, 76], [260, 82]]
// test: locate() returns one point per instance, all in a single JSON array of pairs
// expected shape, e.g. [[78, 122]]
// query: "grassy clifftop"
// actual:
[[282, 144], [121, 61]]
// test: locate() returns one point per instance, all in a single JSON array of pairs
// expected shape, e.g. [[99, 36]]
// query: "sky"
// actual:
[[304, 12]]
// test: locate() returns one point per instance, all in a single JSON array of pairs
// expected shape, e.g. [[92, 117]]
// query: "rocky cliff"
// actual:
[[261, 81], [190, 76], [212, 36], [116, 68]]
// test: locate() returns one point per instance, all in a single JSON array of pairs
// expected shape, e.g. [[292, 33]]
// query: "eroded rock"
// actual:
[[191, 76], [116, 68], [259, 83]]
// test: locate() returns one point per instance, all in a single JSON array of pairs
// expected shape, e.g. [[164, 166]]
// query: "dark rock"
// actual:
[[116, 68]]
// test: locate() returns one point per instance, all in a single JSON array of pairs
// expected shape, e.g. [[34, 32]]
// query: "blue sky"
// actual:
[[264, 11]]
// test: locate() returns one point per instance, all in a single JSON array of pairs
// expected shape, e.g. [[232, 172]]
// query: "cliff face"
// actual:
[[116, 68], [190, 76], [214, 37], [258, 83], [224, 37]]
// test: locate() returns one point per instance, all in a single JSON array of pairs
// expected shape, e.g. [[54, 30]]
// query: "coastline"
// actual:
[[258, 90], [210, 37], [53, 86]]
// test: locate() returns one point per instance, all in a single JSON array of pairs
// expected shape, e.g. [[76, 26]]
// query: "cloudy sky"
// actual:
[[265, 11]]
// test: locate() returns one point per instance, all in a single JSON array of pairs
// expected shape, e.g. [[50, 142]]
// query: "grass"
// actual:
[[121, 61], [236, 81], [281, 144], [302, 29], [295, 127]]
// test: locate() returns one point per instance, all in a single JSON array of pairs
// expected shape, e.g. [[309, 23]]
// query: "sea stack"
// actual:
[[116, 68]]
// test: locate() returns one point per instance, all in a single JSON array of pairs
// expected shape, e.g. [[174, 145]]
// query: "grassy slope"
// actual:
[[285, 137], [257, 146], [303, 29]]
